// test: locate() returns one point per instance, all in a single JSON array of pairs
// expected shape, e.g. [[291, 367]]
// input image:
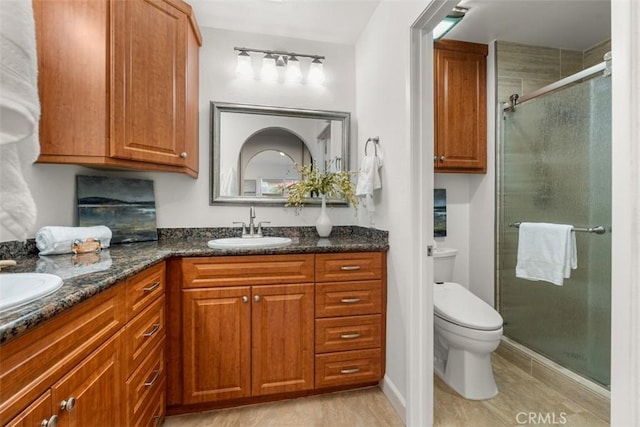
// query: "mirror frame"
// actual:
[[217, 108]]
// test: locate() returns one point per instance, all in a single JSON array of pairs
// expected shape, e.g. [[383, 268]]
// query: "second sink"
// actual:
[[249, 243], [17, 289]]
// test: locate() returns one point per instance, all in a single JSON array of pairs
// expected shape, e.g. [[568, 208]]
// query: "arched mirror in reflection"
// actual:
[[267, 172], [256, 150]]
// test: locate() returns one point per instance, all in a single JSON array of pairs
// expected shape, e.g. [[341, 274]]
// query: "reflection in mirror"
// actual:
[[257, 150]]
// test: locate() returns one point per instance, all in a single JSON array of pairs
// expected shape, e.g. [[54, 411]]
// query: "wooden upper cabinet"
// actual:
[[460, 107], [118, 83]]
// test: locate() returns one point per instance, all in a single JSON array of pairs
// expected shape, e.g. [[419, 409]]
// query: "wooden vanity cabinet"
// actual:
[[247, 326], [89, 366], [460, 107], [118, 83]]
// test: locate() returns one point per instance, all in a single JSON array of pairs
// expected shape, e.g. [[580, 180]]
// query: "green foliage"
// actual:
[[332, 184]]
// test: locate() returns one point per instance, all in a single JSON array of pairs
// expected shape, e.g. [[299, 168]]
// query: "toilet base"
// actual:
[[469, 374]]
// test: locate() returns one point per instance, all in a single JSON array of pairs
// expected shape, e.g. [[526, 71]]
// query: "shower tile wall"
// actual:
[[523, 68]]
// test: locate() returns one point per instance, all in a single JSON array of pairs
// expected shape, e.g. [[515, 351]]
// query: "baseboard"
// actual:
[[395, 398]]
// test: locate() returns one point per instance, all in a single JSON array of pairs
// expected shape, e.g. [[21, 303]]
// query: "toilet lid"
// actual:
[[456, 304]]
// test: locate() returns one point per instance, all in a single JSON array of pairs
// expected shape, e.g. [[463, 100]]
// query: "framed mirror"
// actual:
[[256, 150]]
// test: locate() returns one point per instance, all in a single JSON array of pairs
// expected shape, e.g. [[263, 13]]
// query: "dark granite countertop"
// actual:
[[89, 274]]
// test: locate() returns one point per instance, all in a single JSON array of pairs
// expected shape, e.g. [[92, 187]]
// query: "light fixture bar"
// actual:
[[277, 52]]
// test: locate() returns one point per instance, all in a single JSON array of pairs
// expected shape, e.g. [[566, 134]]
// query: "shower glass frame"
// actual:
[[501, 227]]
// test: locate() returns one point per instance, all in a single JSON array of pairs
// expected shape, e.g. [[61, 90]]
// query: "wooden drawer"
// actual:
[[348, 266], [348, 367], [30, 364], [153, 414], [349, 298], [143, 288], [143, 333], [34, 415], [348, 333], [145, 382], [210, 272]]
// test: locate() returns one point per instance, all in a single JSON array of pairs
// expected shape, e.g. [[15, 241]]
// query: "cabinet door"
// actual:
[[149, 82], [283, 338], [39, 413], [216, 344], [461, 132], [96, 387]]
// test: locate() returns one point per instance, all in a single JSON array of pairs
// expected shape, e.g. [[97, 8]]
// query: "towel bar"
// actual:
[[375, 140], [598, 229]]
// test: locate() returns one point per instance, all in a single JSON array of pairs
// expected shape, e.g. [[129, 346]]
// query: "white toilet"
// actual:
[[467, 330]]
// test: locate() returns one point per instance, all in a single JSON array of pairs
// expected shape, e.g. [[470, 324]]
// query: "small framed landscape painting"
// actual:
[[439, 212], [126, 206]]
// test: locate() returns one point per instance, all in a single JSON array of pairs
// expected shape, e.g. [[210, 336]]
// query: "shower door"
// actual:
[[555, 166]]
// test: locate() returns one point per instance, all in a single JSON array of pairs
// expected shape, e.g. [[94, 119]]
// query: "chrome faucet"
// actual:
[[252, 231], [252, 216]]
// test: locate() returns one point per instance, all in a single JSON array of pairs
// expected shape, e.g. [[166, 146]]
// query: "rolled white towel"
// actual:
[[58, 240]]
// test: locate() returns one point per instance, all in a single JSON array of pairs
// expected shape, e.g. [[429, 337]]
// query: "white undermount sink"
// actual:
[[22, 288], [249, 242]]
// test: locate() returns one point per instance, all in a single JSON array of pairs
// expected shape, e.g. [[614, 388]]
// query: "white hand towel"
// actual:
[[19, 114], [369, 175], [58, 240], [369, 180], [546, 252]]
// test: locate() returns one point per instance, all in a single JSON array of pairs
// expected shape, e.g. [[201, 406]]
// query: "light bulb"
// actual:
[[316, 72], [293, 73], [243, 66], [269, 71]]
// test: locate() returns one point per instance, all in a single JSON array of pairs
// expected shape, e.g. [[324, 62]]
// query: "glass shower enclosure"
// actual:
[[555, 166]]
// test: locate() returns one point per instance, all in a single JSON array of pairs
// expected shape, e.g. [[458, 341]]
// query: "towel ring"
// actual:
[[375, 140]]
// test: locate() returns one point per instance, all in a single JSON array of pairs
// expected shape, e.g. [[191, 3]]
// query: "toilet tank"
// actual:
[[443, 260]]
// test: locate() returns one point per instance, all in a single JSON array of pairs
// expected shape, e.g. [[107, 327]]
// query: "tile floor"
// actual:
[[523, 400]]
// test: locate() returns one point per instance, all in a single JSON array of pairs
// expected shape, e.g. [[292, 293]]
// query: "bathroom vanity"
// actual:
[[287, 323], [241, 326]]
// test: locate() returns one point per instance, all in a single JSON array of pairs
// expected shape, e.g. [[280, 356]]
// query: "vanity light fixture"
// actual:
[[293, 73], [269, 70], [316, 72], [274, 60], [243, 66], [449, 21]]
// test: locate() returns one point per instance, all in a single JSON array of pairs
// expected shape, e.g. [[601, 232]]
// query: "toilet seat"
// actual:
[[456, 304]]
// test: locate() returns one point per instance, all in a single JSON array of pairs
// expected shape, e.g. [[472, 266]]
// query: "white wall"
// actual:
[[184, 202], [382, 93]]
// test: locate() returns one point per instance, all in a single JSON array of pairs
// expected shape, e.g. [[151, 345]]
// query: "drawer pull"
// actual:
[[350, 267], [350, 371], [349, 300], [51, 422], [153, 330], [67, 405], [153, 287], [151, 382], [350, 336]]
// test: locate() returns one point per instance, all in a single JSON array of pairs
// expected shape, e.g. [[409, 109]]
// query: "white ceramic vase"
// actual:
[[323, 223]]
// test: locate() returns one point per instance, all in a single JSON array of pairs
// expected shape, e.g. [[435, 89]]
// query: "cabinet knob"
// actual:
[[442, 158], [68, 405], [435, 158], [256, 298], [51, 422], [245, 298], [183, 154]]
